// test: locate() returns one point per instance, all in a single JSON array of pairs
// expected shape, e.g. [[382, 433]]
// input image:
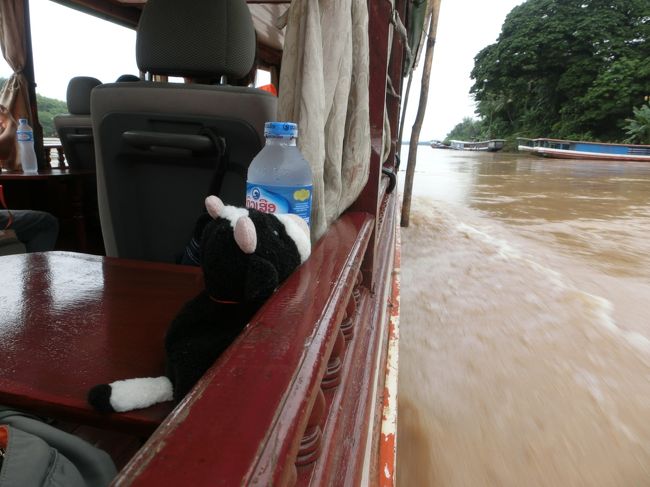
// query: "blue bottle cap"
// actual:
[[22, 120], [281, 129]]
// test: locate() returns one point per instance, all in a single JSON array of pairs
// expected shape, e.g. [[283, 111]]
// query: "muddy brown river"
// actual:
[[525, 323]]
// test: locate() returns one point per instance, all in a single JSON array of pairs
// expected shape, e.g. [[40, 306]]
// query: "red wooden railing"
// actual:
[[294, 400]]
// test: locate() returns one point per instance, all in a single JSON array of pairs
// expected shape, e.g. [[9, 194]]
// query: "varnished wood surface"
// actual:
[[69, 321], [43, 174]]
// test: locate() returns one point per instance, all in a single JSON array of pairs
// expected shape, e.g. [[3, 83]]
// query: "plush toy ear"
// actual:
[[261, 279], [214, 205], [245, 234]]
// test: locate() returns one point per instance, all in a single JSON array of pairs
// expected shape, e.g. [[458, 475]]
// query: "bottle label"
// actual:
[[280, 199], [24, 136]]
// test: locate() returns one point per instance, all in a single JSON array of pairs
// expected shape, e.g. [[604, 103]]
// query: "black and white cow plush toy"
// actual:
[[245, 255]]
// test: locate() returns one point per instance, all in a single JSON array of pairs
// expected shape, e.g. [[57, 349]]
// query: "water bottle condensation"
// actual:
[[25, 143], [279, 178]]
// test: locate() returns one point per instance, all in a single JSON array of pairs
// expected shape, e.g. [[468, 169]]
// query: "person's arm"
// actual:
[[8, 133]]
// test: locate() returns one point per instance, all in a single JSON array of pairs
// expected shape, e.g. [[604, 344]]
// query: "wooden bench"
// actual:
[[69, 321]]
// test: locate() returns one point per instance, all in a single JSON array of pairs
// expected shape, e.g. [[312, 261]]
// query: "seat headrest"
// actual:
[[78, 94], [126, 78], [196, 38]]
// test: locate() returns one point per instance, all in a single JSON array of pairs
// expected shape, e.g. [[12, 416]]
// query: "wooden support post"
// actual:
[[432, 17]]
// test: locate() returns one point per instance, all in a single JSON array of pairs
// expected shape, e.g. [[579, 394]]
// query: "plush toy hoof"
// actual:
[[99, 397]]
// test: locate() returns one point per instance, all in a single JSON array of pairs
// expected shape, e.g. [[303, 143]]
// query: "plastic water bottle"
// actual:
[[279, 177], [26, 154]]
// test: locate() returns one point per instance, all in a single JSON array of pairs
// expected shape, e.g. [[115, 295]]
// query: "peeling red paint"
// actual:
[[388, 439], [387, 461]]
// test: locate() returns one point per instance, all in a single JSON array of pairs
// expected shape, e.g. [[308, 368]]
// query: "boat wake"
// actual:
[[517, 365]]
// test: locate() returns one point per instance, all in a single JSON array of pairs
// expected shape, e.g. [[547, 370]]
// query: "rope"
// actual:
[[391, 88], [402, 32]]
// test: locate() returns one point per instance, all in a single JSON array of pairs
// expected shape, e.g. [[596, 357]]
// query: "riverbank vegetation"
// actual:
[[571, 69], [638, 128], [47, 109]]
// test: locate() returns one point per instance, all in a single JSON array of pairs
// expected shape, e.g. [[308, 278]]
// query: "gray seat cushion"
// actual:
[[197, 38], [78, 94], [163, 147], [151, 193], [75, 128]]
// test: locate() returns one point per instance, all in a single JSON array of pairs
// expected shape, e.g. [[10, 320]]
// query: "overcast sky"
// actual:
[[464, 28], [65, 47]]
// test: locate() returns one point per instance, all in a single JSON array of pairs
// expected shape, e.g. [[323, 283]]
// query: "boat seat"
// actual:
[[13, 248], [127, 78], [75, 127], [163, 147]]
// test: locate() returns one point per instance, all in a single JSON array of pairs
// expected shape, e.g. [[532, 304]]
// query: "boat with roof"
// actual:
[[572, 149], [436, 144], [492, 145]]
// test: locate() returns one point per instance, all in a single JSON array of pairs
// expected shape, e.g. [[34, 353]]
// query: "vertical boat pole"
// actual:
[[401, 123], [432, 17]]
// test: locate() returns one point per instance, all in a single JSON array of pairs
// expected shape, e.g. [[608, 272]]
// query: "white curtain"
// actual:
[[14, 94], [324, 89]]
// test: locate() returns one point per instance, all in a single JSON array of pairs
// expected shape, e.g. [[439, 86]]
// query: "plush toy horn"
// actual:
[[214, 206], [245, 234]]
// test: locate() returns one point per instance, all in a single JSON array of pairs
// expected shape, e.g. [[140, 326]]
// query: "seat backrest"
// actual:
[[161, 147], [75, 127]]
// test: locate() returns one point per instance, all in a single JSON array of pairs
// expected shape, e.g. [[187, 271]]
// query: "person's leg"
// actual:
[[4, 219], [9, 246], [36, 229]]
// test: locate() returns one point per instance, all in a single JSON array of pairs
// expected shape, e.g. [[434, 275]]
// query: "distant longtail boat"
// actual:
[[436, 144], [491, 145], [570, 149]]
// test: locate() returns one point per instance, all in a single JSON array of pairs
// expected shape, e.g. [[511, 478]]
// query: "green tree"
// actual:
[[468, 129], [48, 108], [638, 128], [565, 68]]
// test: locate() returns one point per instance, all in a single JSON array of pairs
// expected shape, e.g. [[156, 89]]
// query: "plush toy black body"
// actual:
[[245, 255]]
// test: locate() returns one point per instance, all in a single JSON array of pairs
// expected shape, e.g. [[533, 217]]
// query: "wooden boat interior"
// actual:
[[299, 398]]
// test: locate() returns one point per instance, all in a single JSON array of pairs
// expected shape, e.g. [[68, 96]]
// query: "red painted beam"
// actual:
[[394, 104], [379, 13]]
